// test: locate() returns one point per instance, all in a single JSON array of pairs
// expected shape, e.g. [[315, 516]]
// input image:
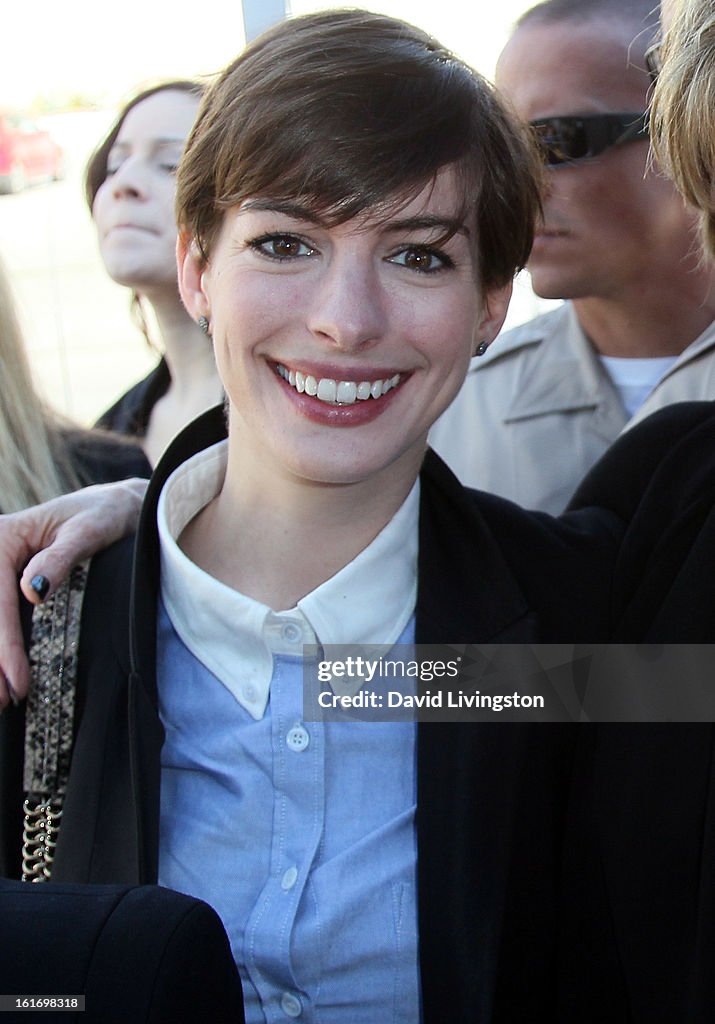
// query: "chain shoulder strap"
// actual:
[[49, 722]]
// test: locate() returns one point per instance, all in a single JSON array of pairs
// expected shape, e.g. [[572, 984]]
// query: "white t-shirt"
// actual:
[[635, 378]]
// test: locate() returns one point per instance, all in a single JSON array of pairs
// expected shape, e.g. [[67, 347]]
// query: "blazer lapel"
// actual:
[[145, 730], [467, 779], [470, 777], [466, 591]]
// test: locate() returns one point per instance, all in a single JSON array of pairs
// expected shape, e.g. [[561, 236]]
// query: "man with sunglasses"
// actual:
[[636, 331]]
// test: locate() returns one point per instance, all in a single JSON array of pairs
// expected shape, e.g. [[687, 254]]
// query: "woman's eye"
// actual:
[[422, 259], [282, 247]]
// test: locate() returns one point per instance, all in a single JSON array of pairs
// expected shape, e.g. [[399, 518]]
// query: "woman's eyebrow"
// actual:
[[422, 222], [289, 207], [429, 222], [154, 143]]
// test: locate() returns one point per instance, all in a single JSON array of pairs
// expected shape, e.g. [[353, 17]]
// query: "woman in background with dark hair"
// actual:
[[129, 186]]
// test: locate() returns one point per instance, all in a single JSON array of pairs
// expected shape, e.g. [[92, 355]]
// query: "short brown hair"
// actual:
[[683, 109], [349, 111]]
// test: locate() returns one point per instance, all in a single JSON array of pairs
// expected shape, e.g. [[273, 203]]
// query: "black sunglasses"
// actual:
[[566, 140]]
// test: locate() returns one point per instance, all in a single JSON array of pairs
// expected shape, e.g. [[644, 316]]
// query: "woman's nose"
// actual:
[[130, 179], [348, 305]]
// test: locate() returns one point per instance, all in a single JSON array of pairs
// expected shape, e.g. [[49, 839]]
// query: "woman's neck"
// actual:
[[195, 385], [276, 539], [186, 348]]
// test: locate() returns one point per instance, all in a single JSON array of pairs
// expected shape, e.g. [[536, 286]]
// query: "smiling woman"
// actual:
[[352, 204], [390, 304]]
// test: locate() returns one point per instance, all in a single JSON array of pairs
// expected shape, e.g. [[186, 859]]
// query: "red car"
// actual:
[[27, 154]]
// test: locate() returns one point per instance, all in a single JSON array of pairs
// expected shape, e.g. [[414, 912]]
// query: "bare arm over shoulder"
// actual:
[[46, 541]]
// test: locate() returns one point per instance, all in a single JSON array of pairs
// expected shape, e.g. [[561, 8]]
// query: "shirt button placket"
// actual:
[[297, 831]]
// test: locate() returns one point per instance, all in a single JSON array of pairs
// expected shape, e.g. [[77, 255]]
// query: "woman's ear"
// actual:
[[190, 267], [494, 310]]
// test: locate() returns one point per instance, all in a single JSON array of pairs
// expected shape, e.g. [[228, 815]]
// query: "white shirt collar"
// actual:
[[369, 601]]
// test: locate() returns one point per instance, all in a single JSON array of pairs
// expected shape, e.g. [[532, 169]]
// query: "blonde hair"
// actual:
[[683, 108], [34, 463]]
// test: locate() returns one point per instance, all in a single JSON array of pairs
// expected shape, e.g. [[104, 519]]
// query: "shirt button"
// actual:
[[291, 1005], [298, 738], [249, 693], [291, 633], [289, 878]]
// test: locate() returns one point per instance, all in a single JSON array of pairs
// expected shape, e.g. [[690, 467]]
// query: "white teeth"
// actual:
[[327, 390], [346, 392], [334, 392]]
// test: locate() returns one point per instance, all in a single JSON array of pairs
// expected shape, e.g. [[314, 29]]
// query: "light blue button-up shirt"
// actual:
[[301, 835]]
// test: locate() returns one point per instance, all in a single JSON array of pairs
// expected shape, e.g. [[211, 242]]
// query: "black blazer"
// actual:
[[131, 412], [493, 803], [490, 798], [99, 456], [637, 916], [142, 954]]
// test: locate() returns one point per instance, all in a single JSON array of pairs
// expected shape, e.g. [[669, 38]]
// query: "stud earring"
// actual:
[[203, 324], [481, 348]]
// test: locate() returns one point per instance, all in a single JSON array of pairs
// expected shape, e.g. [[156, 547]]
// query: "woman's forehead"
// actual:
[[169, 113], [441, 199]]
